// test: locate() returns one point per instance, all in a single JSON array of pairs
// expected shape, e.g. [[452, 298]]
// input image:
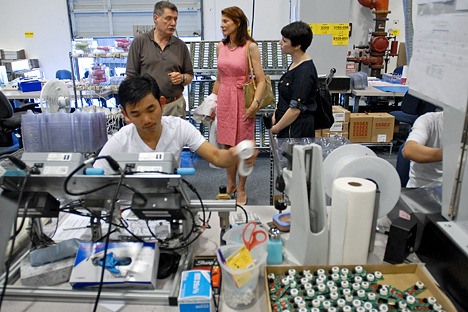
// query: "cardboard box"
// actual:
[[13, 55], [339, 126], [318, 133], [360, 128], [399, 276], [382, 127], [195, 291], [340, 113], [127, 264], [343, 134], [327, 133]]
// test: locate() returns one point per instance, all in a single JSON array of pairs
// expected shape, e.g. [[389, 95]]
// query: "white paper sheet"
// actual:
[[461, 4], [431, 1], [439, 64]]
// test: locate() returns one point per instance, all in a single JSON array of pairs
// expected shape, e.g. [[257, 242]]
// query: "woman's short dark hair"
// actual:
[[133, 90], [299, 33]]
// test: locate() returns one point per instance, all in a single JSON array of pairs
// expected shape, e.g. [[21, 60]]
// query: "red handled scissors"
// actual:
[[251, 236]]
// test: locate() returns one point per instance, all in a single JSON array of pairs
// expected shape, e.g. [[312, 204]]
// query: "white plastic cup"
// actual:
[[234, 236], [246, 295]]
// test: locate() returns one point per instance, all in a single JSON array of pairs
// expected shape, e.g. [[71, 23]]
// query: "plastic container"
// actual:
[[245, 296], [30, 132], [29, 85], [275, 247], [44, 128], [359, 81], [234, 237], [60, 132]]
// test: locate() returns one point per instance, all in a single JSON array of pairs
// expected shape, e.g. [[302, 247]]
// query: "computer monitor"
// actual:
[[3, 76], [20, 65], [33, 74]]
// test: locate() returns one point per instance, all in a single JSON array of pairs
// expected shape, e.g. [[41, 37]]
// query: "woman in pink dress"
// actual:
[[235, 123]]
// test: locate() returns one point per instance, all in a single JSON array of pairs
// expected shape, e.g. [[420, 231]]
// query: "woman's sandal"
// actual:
[[240, 202]]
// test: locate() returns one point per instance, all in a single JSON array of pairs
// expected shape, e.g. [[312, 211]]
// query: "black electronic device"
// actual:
[[401, 239], [157, 206], [36, 204]]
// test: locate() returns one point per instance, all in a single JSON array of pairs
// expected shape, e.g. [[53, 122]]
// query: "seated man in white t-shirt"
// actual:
[[149, 131], [424, 148]]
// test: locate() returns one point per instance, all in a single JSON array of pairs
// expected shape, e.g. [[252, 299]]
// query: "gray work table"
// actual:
[[207, 244], [85, 94], [371, 91]]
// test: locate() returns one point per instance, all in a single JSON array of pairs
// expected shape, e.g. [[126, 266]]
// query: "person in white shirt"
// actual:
[[149, 131], [424, 148]]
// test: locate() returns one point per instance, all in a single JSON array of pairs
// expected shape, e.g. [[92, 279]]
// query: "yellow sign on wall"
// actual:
[[29, 34], [320, 28], [339, 32], [395, 32]]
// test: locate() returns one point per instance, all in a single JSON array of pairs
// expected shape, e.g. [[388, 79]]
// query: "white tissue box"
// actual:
[[195, 291], [130, 264]]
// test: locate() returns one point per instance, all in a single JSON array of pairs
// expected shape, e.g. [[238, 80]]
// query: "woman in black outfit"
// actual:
[[294, 115]]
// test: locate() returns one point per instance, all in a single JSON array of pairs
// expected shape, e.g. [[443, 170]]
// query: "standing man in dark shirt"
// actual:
[[164, 57]]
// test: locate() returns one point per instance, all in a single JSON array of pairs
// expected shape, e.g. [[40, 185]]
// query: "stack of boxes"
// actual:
[[15, 59], [360, 127], [340, 126], [371, 127]]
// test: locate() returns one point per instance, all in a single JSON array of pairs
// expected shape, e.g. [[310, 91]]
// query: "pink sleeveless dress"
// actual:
[[232, 66]]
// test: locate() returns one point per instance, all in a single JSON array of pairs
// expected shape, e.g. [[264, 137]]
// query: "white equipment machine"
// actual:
[[308, 238], [55, 97], [307, 183]]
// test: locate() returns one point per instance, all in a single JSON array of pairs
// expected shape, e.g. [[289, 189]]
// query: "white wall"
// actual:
[[51, 44], [270, 17], [48, 20]]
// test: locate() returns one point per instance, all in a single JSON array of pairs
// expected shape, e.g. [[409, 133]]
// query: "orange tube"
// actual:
[[367, 3], [379, 5]]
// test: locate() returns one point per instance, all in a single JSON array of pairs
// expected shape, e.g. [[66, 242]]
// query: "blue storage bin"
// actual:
[[30, 85]]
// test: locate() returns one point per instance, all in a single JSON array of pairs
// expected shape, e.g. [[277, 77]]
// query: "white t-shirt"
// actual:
[[427, 131], [176, 134]]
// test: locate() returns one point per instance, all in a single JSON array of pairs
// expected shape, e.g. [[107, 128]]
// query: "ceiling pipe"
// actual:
[[378, 43]]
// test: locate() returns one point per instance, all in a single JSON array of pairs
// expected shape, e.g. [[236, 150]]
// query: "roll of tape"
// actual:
[[358, 161]]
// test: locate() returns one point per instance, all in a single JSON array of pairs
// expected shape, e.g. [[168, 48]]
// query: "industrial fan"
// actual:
[[55, 97]]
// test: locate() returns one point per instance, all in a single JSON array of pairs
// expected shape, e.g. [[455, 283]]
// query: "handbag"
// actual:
[[251, 86]]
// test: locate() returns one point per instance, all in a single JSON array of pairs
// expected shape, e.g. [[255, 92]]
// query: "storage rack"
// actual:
[[204, 60]]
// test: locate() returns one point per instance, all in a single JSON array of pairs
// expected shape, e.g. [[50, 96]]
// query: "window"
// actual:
[[122, 18]]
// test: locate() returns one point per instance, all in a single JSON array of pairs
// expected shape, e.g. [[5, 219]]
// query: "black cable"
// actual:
[[184, 239], [111, 162], [208, 226], [17, 162], [106, 244], [194, 190], [56, 228], [253, 17], [152, 233], [245, 213], [12, 246], [23, 216]]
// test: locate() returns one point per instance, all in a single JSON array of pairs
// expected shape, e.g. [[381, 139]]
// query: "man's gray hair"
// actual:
[[161, 5]]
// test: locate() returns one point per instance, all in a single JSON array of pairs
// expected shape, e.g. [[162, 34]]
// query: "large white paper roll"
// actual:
[[358, 161], [351, 217]]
